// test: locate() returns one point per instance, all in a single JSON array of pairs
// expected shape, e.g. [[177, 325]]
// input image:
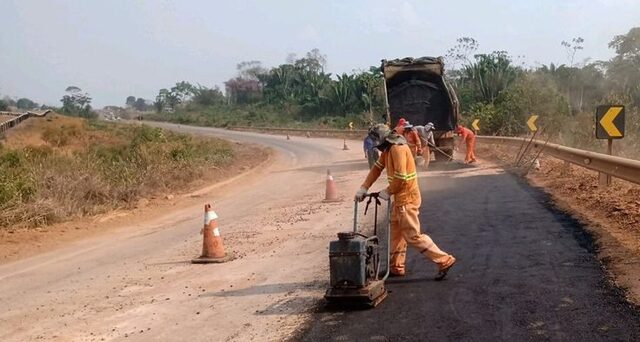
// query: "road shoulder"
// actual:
[[16, 244]]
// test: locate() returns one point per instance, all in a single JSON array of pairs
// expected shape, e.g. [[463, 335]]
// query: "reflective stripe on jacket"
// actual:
[[401, 173]]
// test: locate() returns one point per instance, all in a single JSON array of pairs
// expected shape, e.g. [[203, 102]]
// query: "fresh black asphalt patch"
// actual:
[[525, 271]]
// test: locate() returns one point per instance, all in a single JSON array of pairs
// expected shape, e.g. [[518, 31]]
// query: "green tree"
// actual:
[[25, 103], [623, 71], [131, 100], [488, 76], [77, 103], [207, 96], [460, 53], [140, 104]]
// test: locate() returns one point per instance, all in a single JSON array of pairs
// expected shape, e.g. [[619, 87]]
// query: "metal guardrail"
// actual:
[[19, 117], [623, 168]]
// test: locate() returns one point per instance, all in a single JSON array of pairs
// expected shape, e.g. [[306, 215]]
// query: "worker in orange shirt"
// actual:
[[403, 186], [413, 139], [400, 126], [469, 138], [405, 129]]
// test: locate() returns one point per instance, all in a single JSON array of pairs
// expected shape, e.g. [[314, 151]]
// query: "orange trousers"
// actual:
[[471, 150], [405, 230]]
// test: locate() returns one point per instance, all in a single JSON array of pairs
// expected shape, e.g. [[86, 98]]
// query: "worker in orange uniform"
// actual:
[[468, 137], [413, 139], [403, 186], [400, 126]]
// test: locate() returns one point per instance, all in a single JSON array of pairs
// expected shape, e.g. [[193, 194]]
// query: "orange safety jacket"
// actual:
[[467, 135], [413, 139], [401, 174]]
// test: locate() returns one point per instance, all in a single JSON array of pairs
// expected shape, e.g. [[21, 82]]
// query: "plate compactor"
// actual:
[[359, 264]]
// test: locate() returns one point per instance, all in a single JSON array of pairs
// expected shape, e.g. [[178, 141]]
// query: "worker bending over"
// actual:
[[426, 137], [413, 139], [403, 186], [407, 130], [469, 138]]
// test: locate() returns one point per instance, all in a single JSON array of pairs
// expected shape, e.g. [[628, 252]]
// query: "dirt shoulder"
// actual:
[[24, 242], [611, 215], [142, 286]]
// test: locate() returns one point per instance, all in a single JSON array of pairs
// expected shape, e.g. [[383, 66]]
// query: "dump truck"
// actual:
[[416, 89]]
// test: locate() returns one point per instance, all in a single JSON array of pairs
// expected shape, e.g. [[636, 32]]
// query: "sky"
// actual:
[[116, 48]]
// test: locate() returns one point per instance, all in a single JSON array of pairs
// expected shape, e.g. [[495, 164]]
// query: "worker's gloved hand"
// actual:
[[360, 194], [384, 194]]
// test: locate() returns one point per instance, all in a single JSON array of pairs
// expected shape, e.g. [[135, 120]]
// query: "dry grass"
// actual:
[[63, 168]]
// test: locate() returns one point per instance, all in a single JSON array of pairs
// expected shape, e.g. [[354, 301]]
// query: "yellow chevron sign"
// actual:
[[474, 124], [531, 123], [610, 122]]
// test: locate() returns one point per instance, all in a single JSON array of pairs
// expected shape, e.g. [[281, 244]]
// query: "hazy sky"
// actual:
[[116, 48]]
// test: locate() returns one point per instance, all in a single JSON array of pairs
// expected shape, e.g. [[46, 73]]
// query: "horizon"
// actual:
[[117, 49]]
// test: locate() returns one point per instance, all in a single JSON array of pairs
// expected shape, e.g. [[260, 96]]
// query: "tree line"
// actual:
[[298, 90], [21, 103], [494, 87]]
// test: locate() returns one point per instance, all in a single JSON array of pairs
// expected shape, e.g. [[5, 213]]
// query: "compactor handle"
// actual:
[[373, 196]]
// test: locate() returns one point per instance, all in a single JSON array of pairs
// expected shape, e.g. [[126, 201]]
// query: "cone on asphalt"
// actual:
[[212, 246], [331, 190], [345, 147]]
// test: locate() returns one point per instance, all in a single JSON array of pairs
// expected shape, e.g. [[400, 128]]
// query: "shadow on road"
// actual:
[[268, 289], [336, 167]]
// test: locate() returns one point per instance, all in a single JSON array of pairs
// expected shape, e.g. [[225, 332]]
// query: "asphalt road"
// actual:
[[525, 271]]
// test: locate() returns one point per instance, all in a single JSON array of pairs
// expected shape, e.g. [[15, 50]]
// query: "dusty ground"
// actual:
[[611, 214], [135, 280]]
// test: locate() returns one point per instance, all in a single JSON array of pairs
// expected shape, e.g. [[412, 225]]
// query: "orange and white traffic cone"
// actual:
[[331, 191], [212, 246], [344, 146]]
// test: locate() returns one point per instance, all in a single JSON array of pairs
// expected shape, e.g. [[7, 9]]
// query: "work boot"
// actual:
[[445, 267]]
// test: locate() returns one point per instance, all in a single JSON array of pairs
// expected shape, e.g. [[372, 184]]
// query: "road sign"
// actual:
[[531, 123], [474, 124], [610, 122]]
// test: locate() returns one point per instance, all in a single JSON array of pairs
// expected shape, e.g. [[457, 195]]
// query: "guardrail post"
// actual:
[[566, 168], [603, 178]]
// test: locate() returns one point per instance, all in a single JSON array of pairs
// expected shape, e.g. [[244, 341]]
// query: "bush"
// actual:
[[46, 184]]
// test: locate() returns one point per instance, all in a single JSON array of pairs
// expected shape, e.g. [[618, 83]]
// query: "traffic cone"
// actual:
[[345, 147], [331, 191], [212, 247]]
